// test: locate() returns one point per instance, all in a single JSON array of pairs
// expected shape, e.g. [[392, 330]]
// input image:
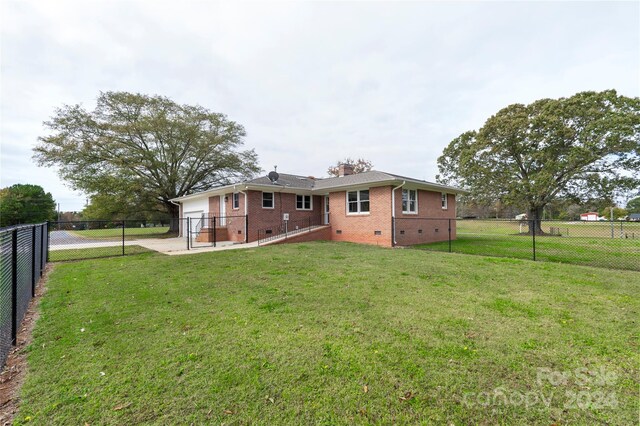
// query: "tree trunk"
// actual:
[[535, 220], [174, 212]]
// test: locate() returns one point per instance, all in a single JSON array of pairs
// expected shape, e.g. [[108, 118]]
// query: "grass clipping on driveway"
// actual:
[[333, 333]]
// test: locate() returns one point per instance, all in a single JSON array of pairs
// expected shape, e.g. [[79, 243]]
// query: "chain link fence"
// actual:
[[88, 239], [614, 245], [23, 257]]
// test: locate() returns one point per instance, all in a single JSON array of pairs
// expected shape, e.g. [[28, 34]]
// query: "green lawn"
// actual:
[[92, 253], [111, 233], [567, 229], [333, 333], [601, 252]]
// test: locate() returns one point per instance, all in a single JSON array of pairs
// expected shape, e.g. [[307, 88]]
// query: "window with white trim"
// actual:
[[358, 201], [304, 202], [236, 200], [444, 201], [410, 201], [267, 200]]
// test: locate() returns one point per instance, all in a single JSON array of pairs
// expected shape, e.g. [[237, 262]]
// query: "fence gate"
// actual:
[[213, 231]]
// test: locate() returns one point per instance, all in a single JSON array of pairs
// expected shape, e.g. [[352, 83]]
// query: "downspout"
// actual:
[[179, 221], [393, 212], [246, 213]]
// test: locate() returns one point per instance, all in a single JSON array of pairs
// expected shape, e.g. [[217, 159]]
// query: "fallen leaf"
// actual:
[[121, 406], [407, 396], [365, 388], [228, 412]]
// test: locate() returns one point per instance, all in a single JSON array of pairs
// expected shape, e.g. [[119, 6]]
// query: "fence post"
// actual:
[[123, 226], [246, 228], [33, 261], [48, 241], [449, 235], [188, 231], [533, 235], [214, 231], [14, 285]]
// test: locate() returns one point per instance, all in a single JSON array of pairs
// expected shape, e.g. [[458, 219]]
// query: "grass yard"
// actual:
[[333, 333], [129, 233], [92, 253], [600, 252], [568, 229]]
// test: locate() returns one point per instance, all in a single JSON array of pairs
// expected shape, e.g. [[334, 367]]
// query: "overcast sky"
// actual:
[[312, 82]]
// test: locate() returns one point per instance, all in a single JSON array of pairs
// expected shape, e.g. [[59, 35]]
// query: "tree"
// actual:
[[584, 146], [145, 147], [633, 206], [618, 213], [359, 165], [23, 203]]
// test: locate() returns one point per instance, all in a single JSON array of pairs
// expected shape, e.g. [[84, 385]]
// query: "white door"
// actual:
[[326, 209], [223, 211]]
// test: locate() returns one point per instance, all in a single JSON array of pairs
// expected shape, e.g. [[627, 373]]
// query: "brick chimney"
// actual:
[[345, 170]]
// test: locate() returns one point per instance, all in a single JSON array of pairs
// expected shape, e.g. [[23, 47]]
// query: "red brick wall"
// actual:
[[361, 228], [426, 226], [429, 205], [260, 218], [233, 219]]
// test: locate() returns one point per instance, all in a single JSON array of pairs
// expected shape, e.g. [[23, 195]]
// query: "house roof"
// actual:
[[288, 182]]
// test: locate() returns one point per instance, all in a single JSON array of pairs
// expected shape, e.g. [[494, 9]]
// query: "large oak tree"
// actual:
[[584, 146], [135, 143]]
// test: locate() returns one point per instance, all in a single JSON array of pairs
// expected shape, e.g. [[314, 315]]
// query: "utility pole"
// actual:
[[612, 231]]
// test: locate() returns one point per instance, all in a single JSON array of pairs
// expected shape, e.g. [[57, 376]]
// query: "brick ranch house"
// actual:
[[372, 207]]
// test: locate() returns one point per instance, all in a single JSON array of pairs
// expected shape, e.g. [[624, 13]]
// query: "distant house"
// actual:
[[370, 207], [634, 217], [589, 216]]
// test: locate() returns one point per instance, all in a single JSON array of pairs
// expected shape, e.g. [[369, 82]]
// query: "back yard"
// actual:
[[333, 333]]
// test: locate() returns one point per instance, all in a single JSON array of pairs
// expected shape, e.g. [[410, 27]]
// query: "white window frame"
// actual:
[[273, 200], [408, 192], [235, 201], [359, 202], [444, 200], [303, 202]]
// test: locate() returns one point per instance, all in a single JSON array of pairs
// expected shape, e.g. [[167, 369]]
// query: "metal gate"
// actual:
[[214, 231]]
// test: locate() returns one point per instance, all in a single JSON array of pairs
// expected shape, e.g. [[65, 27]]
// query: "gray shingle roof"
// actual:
[[288, 181], [326, 184], [372, 176], [365, 178]]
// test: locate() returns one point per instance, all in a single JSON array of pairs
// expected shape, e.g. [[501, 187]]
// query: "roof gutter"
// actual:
[[393, 212]]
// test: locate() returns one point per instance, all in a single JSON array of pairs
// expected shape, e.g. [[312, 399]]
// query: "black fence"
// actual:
[[289, 228], [614, 245], [212, 231], [23, 250], [87, 239]]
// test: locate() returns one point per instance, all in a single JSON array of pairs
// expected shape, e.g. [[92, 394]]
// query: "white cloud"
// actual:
[[312, 82]]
